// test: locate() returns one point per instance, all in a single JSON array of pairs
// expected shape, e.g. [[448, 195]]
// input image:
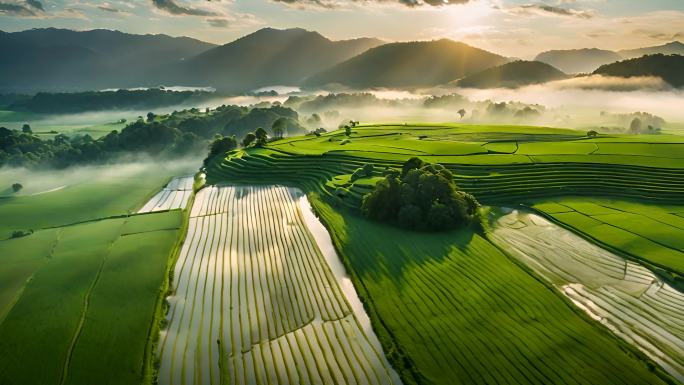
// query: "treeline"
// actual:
[[166, 136], [63, 103]]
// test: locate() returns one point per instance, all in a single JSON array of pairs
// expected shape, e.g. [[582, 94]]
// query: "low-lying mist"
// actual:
[[42, 181]]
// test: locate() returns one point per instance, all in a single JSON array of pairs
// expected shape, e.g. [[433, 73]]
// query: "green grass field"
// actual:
[[82, 294], [94, 287], [82, 195], [452, 308]]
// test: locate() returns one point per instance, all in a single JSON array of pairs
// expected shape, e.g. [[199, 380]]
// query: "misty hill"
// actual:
[[413, 64], [269, 57], [513, 75], [65, 60], [578, 60], [673, 48], [668, 67]]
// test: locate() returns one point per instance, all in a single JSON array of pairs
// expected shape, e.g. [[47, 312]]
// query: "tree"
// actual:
[[423, 197], [347, 130], [150, 117], [221, 145], [592, 134], [411, 164], [635, 126], [279, 127], [248, 139], [461, 112], [26, 129], [16, 187], [261, 137]]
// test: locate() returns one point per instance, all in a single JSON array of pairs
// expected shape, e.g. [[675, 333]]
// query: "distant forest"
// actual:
[[187, 132], [65, 103]]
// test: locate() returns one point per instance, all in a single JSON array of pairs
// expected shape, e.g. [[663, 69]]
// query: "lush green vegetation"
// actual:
[[422, 197], [176, 134], [84, 287], [452, 308], [503, 322]]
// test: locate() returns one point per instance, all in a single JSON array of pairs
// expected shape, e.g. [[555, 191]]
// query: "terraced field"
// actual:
[[452, 308], [255, 301], [174, 195], [540, 162], [626, 297]]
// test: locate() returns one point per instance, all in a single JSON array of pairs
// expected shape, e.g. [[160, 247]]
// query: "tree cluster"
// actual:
[[422, 197], [62, 103], [176, 134]]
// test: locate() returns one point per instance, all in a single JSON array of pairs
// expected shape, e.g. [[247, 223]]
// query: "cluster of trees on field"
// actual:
[[63, 103], [176, 134], [422, 196]]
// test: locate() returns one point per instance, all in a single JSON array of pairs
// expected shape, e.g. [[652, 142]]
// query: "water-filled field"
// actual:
[[174, 195], [256, 302], [624, 296], [643, 231]]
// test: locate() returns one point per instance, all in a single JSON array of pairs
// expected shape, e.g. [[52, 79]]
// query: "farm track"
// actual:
[[256, 303], [624, 296]]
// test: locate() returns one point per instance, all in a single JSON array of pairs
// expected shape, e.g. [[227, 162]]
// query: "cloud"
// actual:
[[549, 10], [107, 8], [611, 83], [35, 4], [29, 8], [341, 3], [172, 7], [218, 23]]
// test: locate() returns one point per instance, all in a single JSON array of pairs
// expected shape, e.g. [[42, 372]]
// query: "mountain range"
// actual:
[[52, 59], [588, 60], [412, 64]]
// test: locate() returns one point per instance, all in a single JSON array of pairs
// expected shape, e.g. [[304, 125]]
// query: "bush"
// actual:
[[17, 187], [21, 233], [423, 197]]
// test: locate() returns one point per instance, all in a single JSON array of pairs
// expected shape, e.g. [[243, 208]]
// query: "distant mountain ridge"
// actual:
[[670, 68], [575, 61], [412, 64], [269, 57], [672, 48], [61, 59], [512, 75]]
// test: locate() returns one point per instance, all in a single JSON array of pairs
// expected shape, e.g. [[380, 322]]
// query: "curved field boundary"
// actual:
[[624, 296], [255, 301], [174, 196], [516, 182]]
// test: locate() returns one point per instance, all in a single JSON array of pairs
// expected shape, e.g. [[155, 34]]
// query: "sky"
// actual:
[[515, 28]]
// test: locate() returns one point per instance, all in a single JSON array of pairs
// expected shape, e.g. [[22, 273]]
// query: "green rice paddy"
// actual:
[[453, 308]]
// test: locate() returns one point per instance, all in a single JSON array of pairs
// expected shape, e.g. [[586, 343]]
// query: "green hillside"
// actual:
[[668, 67], [413, 64], [513, 75]]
